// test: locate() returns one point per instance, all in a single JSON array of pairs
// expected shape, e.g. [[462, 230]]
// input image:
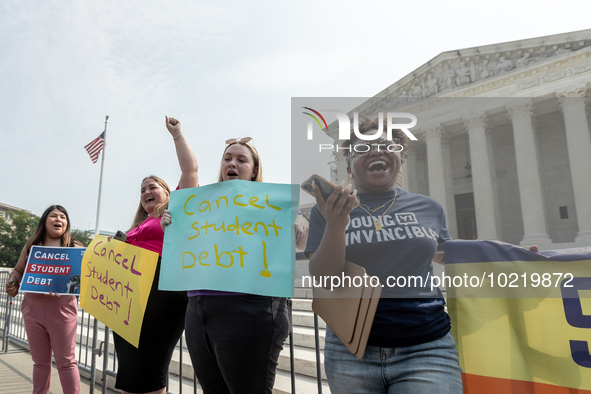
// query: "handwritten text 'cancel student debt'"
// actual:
[[113, 290], [244, 229]]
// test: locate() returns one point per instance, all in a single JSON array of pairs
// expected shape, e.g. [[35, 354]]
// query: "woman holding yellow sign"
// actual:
[[50, 320], [144, 369], [234, 339]]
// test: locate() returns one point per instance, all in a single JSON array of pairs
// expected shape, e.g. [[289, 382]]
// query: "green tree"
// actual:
[[84, 236], [13, 237]]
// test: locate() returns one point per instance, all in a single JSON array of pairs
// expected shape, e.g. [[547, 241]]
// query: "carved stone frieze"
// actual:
[[450, 75]]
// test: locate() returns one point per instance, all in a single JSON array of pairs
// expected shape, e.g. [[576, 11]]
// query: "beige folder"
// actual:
[[349, 311]]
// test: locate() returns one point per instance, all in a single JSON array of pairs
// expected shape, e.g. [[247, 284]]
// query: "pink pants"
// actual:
[[50, 323]]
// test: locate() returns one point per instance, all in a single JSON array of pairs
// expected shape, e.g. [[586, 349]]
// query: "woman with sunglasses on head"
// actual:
[[410, 348], [50, 320], [144, 369], [234, 339]]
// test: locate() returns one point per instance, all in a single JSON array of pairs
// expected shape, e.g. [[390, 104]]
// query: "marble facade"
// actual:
[[504, 141]]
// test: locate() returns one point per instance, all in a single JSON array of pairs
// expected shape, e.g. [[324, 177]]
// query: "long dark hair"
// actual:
[[41, 232]]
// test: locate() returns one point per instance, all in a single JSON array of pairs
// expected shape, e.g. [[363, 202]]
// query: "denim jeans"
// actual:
[[431, 367], [235, 340]]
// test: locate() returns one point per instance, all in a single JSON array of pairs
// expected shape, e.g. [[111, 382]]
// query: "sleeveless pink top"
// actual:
[[148, 235]]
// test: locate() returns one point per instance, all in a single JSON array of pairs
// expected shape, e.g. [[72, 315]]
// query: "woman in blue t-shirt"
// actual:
[[390, 233]]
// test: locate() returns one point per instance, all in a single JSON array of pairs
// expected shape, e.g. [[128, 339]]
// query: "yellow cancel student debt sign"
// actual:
[[116, 279]]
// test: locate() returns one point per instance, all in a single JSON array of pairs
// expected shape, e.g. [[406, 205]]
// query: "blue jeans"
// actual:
[[234, 341], [431, 367]]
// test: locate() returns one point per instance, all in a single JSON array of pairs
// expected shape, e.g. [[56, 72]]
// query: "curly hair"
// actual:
[[366, 125]]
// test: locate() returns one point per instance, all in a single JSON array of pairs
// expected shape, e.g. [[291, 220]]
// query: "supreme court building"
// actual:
[[503, 139]]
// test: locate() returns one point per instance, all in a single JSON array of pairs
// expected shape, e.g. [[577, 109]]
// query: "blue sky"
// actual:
[[224, 68]]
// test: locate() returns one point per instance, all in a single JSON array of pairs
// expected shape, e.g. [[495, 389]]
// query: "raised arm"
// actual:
[[185, 155]]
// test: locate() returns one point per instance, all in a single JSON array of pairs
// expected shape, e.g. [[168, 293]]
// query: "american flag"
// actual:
[[95, 147]]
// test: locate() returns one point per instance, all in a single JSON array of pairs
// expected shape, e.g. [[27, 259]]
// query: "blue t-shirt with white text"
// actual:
[[412, 228]]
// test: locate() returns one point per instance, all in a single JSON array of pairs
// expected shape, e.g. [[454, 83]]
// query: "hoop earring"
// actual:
[[401, 182]]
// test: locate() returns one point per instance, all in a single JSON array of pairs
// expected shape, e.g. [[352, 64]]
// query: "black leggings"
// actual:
[[235, 340], [145, 369]]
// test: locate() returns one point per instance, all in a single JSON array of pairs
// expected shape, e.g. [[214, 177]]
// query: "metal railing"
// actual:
[[94, 339], [11, 324]]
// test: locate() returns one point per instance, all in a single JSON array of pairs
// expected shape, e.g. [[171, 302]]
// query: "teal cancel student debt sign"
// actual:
[[231, 236]]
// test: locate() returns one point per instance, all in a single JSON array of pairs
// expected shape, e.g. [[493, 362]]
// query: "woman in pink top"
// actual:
[[144, 369]]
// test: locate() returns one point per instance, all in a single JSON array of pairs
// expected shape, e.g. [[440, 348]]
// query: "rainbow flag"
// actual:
[[531, 337]]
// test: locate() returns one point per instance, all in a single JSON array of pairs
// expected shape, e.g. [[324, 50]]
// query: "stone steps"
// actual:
[[305, 361], [301, 304], [304, 336], [304, 384], [306, 319]]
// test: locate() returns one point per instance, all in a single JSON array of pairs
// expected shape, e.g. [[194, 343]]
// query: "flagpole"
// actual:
[[98, 205], [95, 324]]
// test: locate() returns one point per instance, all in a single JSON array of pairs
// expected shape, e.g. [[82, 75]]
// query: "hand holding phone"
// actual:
[[326, 188], [120, 236], [337, 211]]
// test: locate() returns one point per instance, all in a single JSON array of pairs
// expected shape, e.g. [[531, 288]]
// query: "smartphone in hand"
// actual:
[[120, 236], [326, 188]]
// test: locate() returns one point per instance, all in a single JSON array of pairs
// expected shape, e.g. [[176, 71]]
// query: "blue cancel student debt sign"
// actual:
[[53, 269], [231, 236]]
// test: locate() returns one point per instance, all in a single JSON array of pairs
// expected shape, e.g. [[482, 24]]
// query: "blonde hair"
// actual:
[[141, 214], [255, 158]]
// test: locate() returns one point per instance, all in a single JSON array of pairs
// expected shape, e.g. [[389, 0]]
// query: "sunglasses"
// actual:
[[388, 146], [234, 140]]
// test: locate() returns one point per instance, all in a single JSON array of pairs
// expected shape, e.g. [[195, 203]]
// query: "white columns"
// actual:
[[493, 178], [440, 174], [578, 142], [452, 220], [435, 164], [528, 174], [481, 177], [410, 170], [403, 183]]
